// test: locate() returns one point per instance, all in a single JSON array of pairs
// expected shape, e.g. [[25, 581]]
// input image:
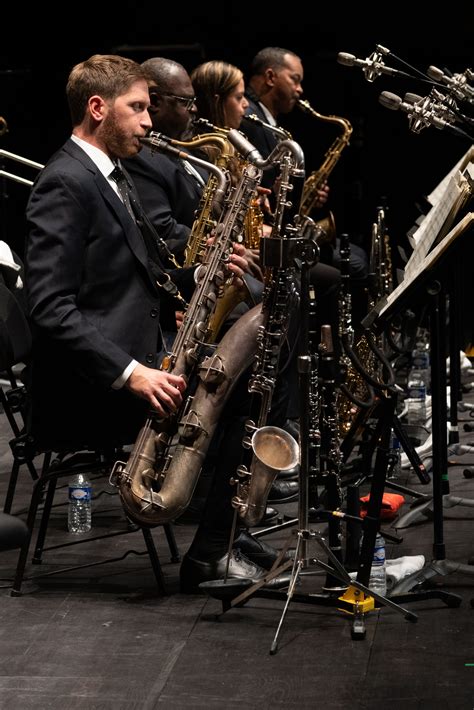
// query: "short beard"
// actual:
[[116, 140]]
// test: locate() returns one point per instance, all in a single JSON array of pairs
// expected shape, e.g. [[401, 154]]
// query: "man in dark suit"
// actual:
[[169, 188], [274, 88], [94, 302], [92, 278]]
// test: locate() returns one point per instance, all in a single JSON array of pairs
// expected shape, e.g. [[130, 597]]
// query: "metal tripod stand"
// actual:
[[357, 598]]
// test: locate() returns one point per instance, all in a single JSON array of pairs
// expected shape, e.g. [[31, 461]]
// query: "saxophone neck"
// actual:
[[158, 142], [330, 118], [277, 130]]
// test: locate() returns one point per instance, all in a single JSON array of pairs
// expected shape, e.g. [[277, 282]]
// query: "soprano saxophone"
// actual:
[[157, 482]]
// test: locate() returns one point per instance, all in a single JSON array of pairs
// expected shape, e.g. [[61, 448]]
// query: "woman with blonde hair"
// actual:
[[220, 98]]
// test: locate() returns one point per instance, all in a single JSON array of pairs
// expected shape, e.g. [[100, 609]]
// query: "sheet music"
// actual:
[[456, 191], [437, 193], [427, 263]]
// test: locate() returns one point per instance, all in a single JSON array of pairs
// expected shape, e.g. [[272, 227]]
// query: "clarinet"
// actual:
[[331, 457]]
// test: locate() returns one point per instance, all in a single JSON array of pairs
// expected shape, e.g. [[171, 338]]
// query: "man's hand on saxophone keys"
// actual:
[[238, 264], [161, 389], [322, 196]]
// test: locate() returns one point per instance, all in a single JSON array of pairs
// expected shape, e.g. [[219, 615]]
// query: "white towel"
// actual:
[[398, 569], [402, 567], [6, 259]]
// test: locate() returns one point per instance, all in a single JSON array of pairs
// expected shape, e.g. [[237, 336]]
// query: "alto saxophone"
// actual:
[[157, 482], [231, 293], [319, 177], [206, 219]]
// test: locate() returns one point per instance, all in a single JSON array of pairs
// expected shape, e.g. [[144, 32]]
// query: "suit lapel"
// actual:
[[131, 231]]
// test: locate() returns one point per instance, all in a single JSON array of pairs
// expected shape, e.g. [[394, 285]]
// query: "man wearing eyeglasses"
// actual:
[[169, 189]]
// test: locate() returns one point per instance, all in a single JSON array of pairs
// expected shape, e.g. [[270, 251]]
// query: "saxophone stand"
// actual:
[[358, 599]]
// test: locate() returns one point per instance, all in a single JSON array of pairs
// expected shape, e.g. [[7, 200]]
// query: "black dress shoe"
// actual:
[[195, 572], [292, 426], [256, 550], [283, 491], [291, 474], [270, 516]]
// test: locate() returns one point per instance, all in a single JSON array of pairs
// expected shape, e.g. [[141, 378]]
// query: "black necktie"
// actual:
[[124, 189]]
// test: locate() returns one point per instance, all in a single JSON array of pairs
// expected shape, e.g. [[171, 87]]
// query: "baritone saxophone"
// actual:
[[157, 482]]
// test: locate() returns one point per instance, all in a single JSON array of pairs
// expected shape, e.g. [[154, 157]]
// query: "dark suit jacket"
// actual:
[[262, 138], [93, 303], [169, 194]]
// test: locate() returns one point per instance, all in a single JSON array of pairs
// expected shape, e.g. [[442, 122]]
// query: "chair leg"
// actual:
[[6, 408], [169, 532], [155, 560], [23, 453], [11, 487], [30, 522], [48, 504]]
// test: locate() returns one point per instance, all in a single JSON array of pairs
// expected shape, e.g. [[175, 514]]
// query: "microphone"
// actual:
[[456, 83], [422, 112], [373, 66]]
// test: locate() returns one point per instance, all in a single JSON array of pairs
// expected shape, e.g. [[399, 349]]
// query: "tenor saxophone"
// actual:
[[158, 480]]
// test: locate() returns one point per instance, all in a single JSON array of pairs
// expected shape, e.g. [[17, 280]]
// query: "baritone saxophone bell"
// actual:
[[274, 450]]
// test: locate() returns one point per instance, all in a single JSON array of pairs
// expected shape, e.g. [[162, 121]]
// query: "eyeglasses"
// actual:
[[187, 101]]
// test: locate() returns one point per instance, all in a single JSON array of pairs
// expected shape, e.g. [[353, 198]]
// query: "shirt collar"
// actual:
[[268, 115], [98, 157]]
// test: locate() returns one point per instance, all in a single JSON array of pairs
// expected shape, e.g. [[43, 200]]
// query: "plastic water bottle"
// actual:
[[394, 463], [79, 512], [420, 357], [416, 400], [378, 571]]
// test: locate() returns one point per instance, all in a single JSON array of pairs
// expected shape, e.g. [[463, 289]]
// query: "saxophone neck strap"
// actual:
[[156, 247]]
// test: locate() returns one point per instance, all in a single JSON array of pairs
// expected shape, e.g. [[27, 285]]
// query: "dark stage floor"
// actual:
[[102, 637]]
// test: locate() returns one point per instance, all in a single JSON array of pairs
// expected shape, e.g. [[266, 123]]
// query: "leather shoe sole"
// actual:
[[283, 491], [194, 572]]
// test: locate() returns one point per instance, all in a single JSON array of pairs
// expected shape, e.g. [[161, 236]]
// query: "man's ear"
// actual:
[[270, 76], [97, 107]]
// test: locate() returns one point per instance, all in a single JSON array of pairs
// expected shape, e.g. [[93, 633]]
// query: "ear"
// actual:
[[97, 107], [270, 76]]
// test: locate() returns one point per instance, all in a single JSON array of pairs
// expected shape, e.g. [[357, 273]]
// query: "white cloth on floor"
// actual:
[[398, 569], [402, 567], [6, 259]]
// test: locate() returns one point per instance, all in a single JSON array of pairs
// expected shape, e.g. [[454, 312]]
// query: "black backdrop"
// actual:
[[384, 161]]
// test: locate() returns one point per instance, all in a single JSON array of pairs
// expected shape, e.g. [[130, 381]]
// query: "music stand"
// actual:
[[430, 283]]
